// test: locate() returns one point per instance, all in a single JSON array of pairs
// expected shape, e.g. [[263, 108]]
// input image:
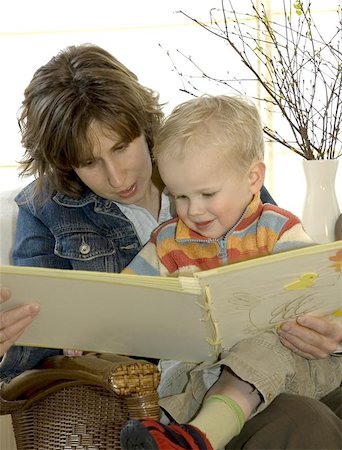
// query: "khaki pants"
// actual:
[[294, 422]]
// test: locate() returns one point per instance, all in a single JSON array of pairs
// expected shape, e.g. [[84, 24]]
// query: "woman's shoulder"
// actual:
[[29, 197], [40, 199]]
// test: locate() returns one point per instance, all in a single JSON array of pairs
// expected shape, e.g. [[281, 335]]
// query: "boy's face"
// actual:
[[118, 172], [210, 198]]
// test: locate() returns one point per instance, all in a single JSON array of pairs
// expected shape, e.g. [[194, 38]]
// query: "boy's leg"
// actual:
[[226, 406], [223, 413], [294, 423]]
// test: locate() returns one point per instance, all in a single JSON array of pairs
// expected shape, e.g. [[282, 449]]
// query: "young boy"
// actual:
[[210, 156]]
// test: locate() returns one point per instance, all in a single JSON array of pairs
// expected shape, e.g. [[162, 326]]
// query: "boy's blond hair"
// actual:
[[229, 123]]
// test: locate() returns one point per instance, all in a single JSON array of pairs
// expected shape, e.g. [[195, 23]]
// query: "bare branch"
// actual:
[[301, 70]]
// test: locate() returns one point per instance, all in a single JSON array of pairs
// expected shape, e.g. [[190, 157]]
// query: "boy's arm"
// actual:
[[293, 238], [146, 262]]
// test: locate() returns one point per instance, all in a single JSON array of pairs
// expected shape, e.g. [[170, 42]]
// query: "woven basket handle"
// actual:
[[7, 407], [135, 380]]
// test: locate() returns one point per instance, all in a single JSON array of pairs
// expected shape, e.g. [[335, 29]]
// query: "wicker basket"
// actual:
[[79, 403]]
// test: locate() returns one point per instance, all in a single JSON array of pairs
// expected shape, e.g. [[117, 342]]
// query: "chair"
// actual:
[[79, 403]]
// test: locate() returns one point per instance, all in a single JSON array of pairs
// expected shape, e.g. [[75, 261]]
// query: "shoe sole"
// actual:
[[136, 437]]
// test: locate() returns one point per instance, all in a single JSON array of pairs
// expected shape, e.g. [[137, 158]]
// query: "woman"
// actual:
[[88, 127]]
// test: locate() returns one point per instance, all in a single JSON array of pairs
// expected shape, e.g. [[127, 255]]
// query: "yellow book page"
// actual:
[[253, 296]]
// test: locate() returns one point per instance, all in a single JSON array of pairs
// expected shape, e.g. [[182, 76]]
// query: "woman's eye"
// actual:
[[120, 148], [89, 163], [180, 197], [209, 194]]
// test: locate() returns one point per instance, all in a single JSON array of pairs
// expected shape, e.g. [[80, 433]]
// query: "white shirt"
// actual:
[[143, 220]]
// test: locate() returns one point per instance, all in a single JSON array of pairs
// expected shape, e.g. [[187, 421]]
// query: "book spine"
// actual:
[[214, 340]]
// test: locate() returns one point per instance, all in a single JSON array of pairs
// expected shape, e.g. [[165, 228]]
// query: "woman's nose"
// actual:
[[115, 175]]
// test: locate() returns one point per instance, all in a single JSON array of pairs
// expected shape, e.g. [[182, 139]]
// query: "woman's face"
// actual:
[[119, 172]]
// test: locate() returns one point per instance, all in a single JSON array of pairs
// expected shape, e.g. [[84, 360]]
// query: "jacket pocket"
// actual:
[[83, 246]]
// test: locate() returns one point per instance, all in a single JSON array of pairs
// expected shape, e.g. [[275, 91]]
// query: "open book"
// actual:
[[185, 318]]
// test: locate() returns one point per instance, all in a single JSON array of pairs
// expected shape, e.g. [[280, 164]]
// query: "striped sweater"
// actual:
[[174, 249]]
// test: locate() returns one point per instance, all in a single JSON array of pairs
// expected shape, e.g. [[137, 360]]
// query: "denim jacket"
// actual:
[[90, 233]]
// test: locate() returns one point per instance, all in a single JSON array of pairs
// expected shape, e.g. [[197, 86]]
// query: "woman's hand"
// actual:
[[14, 321], [311, 337]]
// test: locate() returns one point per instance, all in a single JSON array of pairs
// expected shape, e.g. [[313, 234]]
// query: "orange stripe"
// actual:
[[176, 259]]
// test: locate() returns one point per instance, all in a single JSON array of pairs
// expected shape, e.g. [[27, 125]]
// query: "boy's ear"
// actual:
[[256, 176]]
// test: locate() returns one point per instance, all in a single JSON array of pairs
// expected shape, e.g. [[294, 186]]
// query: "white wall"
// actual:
[[139, 33]]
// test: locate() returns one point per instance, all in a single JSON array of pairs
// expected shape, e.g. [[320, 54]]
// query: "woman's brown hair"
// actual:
[[78, 86]]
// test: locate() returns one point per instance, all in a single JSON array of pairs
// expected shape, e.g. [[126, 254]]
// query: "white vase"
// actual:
[[321, 209]]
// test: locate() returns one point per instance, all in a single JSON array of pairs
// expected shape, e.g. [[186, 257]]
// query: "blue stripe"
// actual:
[[140, 266], [290, 245], [168, 231]]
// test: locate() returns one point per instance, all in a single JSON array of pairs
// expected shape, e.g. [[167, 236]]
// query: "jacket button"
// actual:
[[84, 249]]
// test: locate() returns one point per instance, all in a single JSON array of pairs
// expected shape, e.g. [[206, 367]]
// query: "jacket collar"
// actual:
[[88, 197]]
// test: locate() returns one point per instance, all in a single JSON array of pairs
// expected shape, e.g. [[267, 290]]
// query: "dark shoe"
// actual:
[[148, 434]]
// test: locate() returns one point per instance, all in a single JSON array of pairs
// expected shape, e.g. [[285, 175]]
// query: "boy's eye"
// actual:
[[209, 194]]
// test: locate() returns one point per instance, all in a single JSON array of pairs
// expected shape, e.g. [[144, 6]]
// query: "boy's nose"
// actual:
[[195, 208]]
